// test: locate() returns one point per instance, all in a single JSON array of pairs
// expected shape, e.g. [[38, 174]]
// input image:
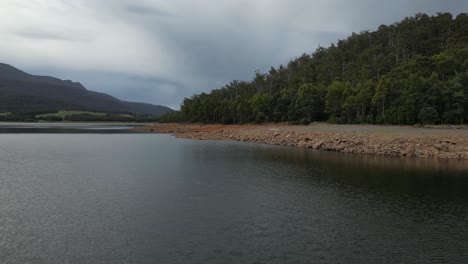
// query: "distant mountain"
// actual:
[[20, 91]]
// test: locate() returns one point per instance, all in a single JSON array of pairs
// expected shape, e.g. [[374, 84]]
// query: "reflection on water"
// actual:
[[409, 176], [66, 128], [145, 198]]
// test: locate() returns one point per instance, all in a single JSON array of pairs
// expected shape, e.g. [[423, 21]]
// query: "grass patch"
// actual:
[[64, 114]]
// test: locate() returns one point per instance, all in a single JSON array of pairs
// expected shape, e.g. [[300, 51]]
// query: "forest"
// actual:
[[411, 72]]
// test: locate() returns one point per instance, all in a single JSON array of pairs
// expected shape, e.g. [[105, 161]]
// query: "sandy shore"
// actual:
[[442, 143]]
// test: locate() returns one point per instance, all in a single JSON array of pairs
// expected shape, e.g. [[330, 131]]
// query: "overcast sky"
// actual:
[[160, 51]]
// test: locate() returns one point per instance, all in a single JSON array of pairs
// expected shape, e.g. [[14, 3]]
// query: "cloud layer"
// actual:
[[162, 51]]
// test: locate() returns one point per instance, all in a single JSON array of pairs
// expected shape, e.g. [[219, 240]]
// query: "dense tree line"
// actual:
[[21, 116], [414, 71], [110, 118]]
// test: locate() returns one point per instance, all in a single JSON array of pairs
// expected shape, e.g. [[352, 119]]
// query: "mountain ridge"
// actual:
[[21, 91]]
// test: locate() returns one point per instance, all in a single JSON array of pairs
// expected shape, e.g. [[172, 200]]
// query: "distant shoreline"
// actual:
[[440, 142]]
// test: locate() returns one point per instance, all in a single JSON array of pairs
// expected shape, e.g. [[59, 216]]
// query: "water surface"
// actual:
[[146, 198], [66, 128]]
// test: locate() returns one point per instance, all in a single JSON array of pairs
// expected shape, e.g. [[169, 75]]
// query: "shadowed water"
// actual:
[[145, 198], [66, 128]]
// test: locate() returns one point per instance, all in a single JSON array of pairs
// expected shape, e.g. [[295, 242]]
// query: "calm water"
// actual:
[[145, 198]]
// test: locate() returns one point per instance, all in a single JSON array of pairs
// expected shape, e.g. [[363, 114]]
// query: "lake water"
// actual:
[[106, 196]]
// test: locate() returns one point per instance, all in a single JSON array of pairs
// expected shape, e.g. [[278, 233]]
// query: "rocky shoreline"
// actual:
[[441, 143]]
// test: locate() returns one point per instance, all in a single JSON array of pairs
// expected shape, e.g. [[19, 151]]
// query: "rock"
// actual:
[[440, 147], [449, 142], [464, 155], [448, 156], [410, 151], [444, 147], [339, 147], [317, 145]]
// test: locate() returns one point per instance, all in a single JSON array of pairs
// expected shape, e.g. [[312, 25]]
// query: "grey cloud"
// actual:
[[362, 15], [43, 35], [183, 47], [146, 10], [152, 79]]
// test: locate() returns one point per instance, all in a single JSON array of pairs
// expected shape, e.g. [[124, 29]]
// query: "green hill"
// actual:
[[413, 71]]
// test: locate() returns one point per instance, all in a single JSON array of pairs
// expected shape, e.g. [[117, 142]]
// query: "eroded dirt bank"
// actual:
[[443, 143]]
